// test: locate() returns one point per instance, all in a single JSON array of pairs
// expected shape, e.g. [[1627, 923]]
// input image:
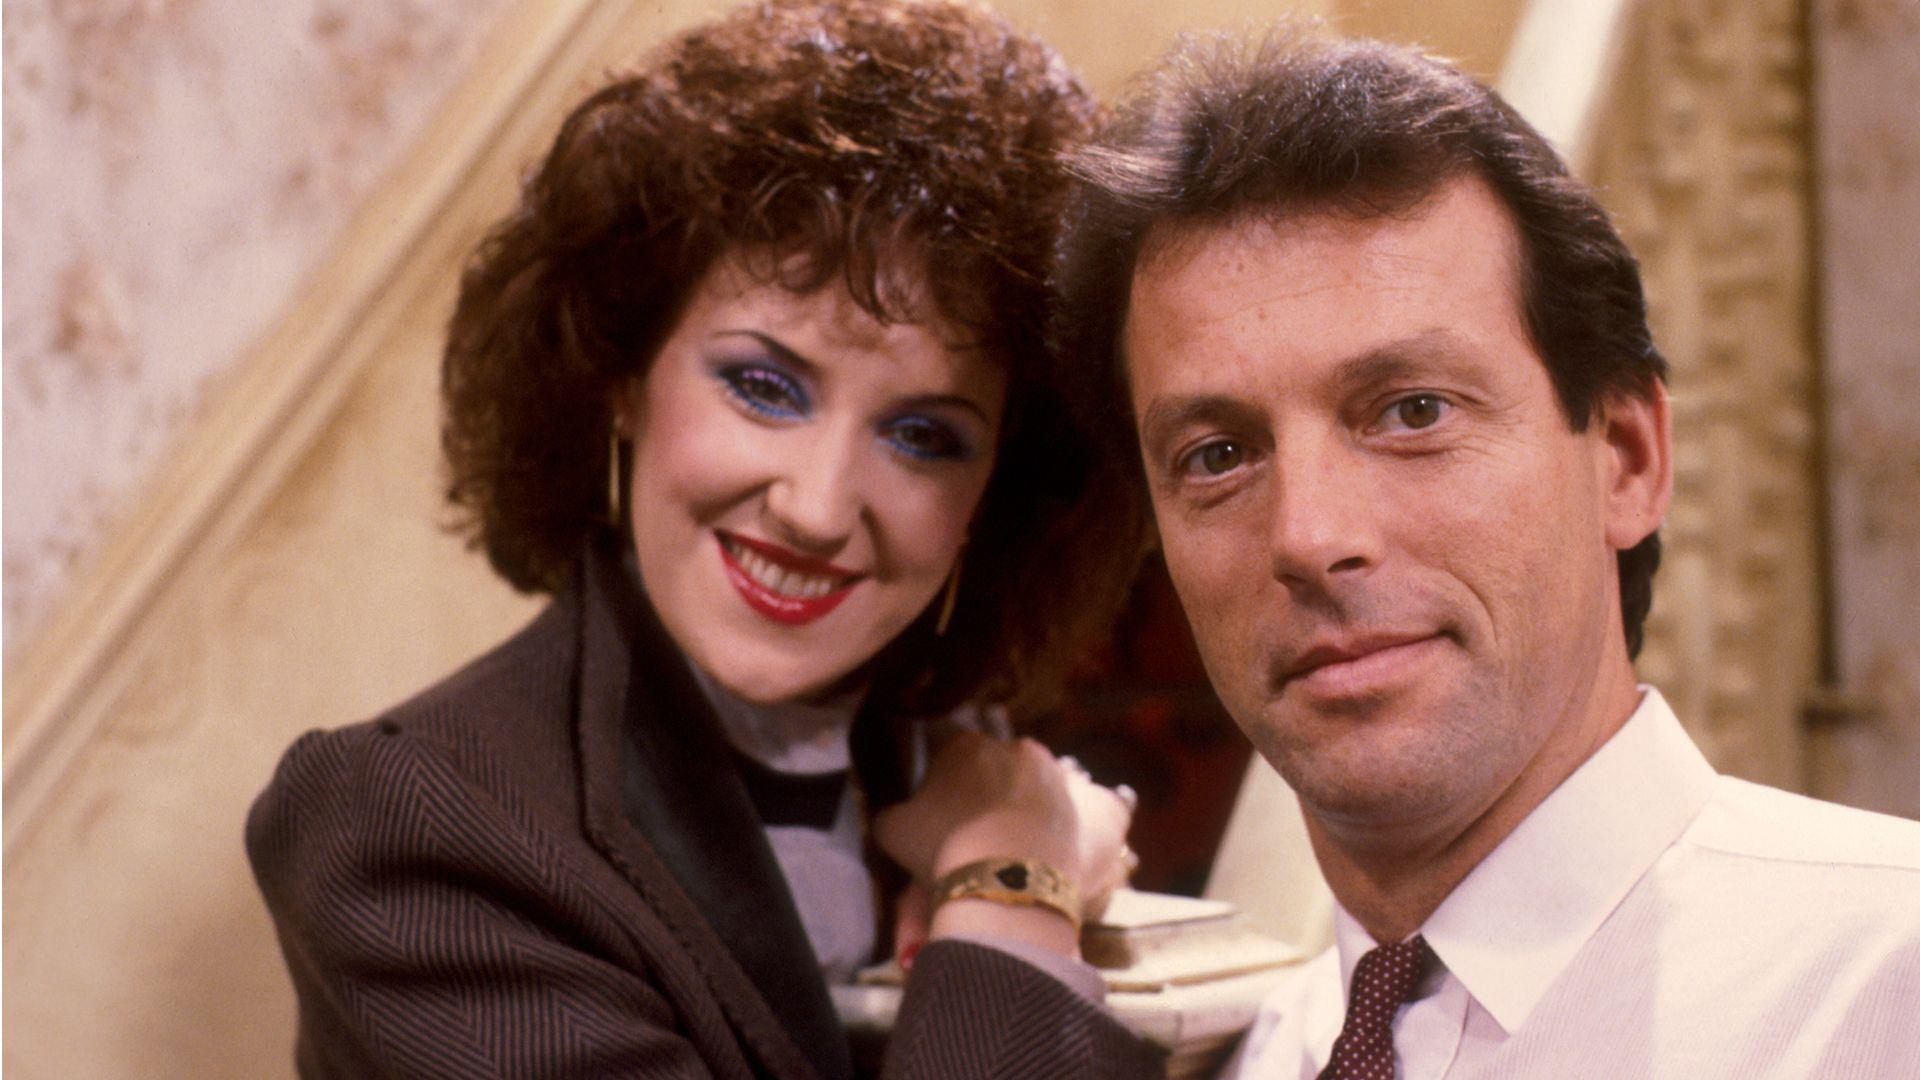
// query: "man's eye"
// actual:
[[1415, 412], [765, 390], [1213, 459]]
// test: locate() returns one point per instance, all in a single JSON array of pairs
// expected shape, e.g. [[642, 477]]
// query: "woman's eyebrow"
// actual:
[[780, 351], [956, 401]]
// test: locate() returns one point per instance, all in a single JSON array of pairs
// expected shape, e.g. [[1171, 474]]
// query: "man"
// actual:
[[1406, 437]]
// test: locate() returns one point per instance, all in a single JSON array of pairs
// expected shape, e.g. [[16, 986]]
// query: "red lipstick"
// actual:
[[767, 559]]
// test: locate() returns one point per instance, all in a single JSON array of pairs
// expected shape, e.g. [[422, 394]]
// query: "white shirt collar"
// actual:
[[1517, 919], [789, 736]]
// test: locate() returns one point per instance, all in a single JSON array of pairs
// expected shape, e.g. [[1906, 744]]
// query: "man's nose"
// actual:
[[815, 498], [1324, 522]]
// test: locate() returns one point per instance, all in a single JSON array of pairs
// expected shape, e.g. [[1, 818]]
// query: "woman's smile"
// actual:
[[781, 583]]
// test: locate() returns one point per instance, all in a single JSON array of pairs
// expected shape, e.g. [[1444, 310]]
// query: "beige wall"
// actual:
[[1703, 159], [135, 945], [173, 170], [1106, 41], [1866, 80], [1472, 33]]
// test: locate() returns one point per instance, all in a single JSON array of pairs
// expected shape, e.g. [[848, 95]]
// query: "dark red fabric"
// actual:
[[1383, 980]]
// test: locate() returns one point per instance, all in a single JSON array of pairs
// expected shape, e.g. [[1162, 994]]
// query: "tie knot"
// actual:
[[1386, 975]]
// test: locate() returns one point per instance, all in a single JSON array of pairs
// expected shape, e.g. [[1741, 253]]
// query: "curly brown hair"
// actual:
[[822, 141]]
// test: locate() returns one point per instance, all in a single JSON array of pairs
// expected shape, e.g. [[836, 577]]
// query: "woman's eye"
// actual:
[[1415, 412], [1214, 459], [767, 391], [926, 440]]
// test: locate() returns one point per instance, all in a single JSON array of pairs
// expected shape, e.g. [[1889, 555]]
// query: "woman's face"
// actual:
[[803, 479]]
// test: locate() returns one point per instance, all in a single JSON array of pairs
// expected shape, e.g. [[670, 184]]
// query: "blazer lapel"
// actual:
[[662, 791]]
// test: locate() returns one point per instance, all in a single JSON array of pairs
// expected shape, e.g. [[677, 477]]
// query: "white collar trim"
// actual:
[[788, 737]]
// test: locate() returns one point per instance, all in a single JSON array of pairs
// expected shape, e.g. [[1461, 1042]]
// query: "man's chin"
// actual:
[[1386, 796], [1366, 770]]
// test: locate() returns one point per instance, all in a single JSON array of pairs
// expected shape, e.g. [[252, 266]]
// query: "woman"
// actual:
[[753, 383]]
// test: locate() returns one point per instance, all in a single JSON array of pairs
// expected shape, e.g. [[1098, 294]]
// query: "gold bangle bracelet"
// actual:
[[1019, 882]]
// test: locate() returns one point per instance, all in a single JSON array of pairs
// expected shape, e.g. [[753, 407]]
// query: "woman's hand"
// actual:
[[987, 798]]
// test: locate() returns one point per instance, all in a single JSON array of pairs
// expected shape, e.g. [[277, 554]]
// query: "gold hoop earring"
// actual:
[[947, 601], [615, 497]]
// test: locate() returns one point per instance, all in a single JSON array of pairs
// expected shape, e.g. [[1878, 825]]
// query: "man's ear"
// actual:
[[1638, 463]]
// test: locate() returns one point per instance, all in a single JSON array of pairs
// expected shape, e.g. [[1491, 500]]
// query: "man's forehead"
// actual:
[[1167, 244], [1170, 248], [1175, 294], [1317, 309], [1191, 272]]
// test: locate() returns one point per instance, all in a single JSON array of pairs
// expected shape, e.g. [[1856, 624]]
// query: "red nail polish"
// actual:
[[907, 953]]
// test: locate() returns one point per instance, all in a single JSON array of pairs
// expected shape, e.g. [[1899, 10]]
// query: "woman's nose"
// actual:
[[815, 497]]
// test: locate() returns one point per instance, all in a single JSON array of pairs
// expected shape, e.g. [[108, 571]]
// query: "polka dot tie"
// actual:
[[1382, 982]]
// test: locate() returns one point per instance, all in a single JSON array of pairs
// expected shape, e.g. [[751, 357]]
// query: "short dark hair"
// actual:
[[1302, 123], [822, 142]]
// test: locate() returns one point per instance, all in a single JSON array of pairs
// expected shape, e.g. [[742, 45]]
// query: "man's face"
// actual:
[[1397, 556]]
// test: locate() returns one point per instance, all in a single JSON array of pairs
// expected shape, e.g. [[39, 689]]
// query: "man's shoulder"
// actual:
[[1820, 881], [1778, 935], [1750, 821]]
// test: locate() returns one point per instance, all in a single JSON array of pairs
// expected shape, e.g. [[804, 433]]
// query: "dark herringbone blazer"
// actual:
[[546, 866]]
